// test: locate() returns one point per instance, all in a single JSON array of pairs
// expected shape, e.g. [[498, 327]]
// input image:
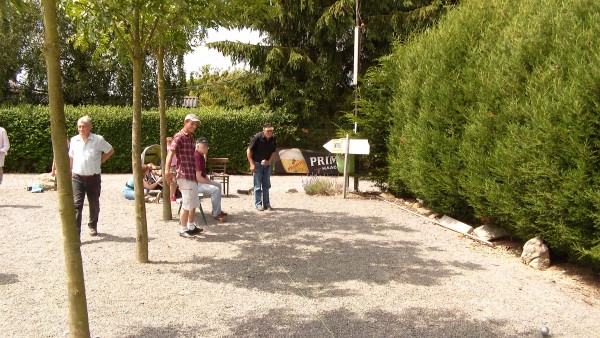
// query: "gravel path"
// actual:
[[313, 267]]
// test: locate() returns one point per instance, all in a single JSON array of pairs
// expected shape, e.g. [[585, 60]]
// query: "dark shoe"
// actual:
[[195, 231], [269, 208], [221, 218], [185, 234], [223, 213], [93, 232]]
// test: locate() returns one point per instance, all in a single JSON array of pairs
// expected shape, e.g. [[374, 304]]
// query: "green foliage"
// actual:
[[496, 117], [220, 88], [228, 131], [319, 185], [305, 62]]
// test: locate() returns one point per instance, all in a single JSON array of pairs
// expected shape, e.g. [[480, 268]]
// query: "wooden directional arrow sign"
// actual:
[[338, 146]]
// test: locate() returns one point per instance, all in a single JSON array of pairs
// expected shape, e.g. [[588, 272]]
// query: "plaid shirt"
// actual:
[[184, 147]]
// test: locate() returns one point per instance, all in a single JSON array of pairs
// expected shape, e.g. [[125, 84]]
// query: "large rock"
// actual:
[[489, 233], [455, 225], [536, 254]]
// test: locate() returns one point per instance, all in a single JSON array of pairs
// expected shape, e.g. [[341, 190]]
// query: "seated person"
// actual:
[[128, 191], [206, 186], [153, 175]]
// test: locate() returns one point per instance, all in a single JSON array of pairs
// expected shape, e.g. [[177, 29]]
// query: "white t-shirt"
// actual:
[[87, 156]]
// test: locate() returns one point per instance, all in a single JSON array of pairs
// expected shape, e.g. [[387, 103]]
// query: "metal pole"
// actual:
[[346, 151], [355, 79]]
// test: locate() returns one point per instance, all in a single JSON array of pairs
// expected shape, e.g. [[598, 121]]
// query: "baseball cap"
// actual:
[[191, 117], [201, 140]]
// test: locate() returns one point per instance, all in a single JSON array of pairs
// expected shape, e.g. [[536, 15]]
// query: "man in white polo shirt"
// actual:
[[87, 152]]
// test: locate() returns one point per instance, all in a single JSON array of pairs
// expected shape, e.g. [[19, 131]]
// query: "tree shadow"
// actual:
[[410, 322], [169, 331], [318, 252]]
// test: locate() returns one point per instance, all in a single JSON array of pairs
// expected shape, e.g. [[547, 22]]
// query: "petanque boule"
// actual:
[[545, 331]]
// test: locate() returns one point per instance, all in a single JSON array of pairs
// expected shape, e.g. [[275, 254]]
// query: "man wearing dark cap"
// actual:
[[206, 186], [183, 147]]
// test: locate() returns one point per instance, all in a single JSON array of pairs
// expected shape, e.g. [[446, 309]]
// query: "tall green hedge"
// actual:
[[496, 118], [228, 131]]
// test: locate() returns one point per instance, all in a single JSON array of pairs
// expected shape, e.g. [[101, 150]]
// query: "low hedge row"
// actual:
[[228, 131]]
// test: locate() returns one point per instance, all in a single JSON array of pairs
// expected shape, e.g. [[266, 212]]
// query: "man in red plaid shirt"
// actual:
[[183, 146]]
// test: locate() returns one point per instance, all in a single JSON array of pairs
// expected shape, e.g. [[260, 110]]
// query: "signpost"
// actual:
[[347, 146], [357, 146]]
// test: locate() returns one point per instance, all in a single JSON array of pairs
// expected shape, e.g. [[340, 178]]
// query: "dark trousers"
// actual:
[[90, 186]]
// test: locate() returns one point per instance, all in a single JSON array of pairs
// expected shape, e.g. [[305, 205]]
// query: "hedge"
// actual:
[[496, 119], [228, 131]]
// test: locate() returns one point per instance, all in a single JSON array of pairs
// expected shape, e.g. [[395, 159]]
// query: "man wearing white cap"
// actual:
[[183, 147]]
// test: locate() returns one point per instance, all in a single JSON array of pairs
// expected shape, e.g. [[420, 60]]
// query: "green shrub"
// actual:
[[228, 131], [321, 185], [495, 117]]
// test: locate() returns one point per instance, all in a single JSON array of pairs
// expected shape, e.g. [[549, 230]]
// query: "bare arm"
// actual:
[[167, 170], [249, 157], [106, 156]]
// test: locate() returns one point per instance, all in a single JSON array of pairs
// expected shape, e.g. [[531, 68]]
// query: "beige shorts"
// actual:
[[189, 194]]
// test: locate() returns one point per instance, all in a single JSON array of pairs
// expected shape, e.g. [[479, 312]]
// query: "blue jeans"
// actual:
[[262, 184], [90, 187], [214, 191]]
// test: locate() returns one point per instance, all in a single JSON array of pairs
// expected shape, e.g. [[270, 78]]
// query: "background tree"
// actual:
[[304, 65], [20, 34], [221, 88], [179, 26], [132, 25], [78, 316]]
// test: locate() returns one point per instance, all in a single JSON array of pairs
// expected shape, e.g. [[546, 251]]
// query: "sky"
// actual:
[[203, 55]]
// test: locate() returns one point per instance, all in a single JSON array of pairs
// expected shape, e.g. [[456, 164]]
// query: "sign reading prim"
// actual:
[[300, 161]]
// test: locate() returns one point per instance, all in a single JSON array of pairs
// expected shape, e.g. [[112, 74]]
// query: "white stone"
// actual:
[[456, 225], [489, 233], [424, 211], [536, 254]]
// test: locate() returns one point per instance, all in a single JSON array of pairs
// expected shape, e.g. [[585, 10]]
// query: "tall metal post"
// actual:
[[355, 78]]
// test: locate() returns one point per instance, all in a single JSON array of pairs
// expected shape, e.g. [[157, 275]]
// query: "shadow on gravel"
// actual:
[[21, 206], [103, 237], [168, 331], [314, 253], [8, 278], [412, 322]]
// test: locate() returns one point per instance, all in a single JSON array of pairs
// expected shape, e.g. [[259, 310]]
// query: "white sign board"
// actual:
[[338, 146]]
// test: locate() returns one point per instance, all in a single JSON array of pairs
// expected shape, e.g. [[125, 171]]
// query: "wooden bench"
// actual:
[[217, 171]]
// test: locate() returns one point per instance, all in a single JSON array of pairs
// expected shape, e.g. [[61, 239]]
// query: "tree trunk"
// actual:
[[136, 148], [160, 55], [78, 315]]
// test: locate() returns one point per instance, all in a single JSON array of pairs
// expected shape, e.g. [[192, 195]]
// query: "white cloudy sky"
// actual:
[[203, 55]]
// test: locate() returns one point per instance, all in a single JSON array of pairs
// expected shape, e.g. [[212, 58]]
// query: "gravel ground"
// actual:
[[312, 267]]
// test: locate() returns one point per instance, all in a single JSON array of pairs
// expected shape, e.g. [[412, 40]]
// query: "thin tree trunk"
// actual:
[[160, 55], [78, 315], [136, 149]]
